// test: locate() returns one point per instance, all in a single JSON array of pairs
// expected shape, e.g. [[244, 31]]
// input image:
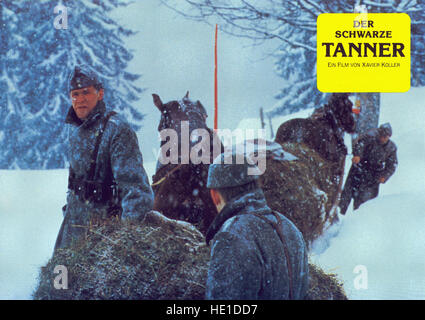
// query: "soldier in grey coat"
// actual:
[[106, 182], [255, 253], [374, 162]]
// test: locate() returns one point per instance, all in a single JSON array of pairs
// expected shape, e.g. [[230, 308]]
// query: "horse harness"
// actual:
[[90, 189], [167, 175], [278, 228]]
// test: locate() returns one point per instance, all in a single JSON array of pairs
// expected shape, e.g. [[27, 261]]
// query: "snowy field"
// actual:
[[386, 235]]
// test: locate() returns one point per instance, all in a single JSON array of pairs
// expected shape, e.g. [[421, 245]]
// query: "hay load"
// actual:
[[324, 286], [304, 189], [158, 259]]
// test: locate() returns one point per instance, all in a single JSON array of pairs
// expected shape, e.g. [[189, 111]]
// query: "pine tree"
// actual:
[[38, 60], [10, 98]]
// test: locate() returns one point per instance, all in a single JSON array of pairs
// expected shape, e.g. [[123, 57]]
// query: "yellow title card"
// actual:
[[363, 52]]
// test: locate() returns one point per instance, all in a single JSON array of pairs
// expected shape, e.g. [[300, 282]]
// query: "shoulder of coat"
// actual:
[[392, 145], [114, 118], [241, 223], [372, 133], [237, 226], [118, 121], [291, 228], [227, 225]]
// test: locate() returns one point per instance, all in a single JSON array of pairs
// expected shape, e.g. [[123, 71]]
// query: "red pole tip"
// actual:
[[215, 82]]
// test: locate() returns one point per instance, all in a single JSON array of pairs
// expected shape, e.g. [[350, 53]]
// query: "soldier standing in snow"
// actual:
[[106, 175], [374, 162], [256, 253]]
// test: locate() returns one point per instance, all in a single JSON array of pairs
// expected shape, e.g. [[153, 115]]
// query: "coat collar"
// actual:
[[252, 202], [98, 111]]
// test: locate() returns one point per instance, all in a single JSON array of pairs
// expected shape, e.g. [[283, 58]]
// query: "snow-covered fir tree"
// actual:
[[10, 98], [40, 47], [293, 24]]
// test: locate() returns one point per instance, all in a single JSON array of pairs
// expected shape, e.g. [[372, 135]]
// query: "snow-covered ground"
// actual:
[[386, 235], [30, 217]]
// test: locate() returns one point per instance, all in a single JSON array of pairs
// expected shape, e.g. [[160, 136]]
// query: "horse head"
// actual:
[[180, 191], [341, 107], [173, 112]]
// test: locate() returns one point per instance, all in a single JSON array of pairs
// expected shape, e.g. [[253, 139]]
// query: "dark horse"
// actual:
[[180, 183], [323, 131]]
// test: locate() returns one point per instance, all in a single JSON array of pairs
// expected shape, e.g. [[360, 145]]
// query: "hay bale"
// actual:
[[156, 259], [323, 286], [304, 190]]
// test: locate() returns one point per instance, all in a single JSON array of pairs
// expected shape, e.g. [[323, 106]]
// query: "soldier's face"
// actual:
[[84, 100], [384, 139]]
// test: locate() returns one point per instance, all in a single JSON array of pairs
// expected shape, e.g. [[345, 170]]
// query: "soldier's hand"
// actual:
[[382, 180], [356, 159]]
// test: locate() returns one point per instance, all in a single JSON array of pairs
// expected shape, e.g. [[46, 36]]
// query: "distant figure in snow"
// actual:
[[106, 174], [256, 253], [374, 162]]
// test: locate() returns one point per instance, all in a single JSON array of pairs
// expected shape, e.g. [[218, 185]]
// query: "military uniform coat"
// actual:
[[119, 159], [247, 255], [376, 161]]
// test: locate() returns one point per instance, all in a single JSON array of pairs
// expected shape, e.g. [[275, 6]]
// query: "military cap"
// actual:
[[83, 77], [231, 169], [385, 130]]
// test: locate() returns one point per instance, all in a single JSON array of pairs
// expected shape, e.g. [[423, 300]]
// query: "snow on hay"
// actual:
[[156, 258], [159, 258]]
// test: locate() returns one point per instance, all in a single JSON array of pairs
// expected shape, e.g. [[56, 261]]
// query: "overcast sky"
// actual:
[[174, 55]]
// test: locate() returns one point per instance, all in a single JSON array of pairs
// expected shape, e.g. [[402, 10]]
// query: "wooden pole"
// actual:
[[262, 118], [215, 83], [271, 127]]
